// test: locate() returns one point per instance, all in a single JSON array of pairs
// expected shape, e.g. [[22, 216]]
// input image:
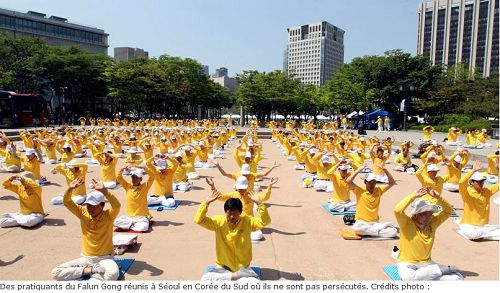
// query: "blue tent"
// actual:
[[370, 118]]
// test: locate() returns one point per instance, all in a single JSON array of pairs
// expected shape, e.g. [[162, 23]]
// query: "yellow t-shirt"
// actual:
[[70, 176], [476, 205], [245, 200], [136, 204], [340, 186], [108, 170], [97, 233], [426, 181], [32, 165], [368, 203], [415, 243], [30, 196], [163, 181], [233, 246]]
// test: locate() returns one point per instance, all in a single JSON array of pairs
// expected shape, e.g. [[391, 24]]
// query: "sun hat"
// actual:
[[420, 205], [241, 183]]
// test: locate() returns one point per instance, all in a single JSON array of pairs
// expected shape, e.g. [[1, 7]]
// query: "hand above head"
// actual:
[[75, 183], [421, 191], [210, 182], [253, 197], [274, 180], [275, 165], [98, 185], [476, 166], [433, 193]]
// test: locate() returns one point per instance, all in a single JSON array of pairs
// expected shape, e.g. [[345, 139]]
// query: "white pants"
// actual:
[[78, 199], [192, 175], [375, 229], [342, 206], [221, 274], [300, 167], [380, 128], [496, 200], [73, 270], [203, 165], [492, 179], [256, 236], [161, 200], [323, 185], [79, 155], [453, 142], [451, 187], [182, 186], [92, 162], [110, 184], [10, 169], [51, 162], [13, 219], [399, 168], [132, 223], [291, 158], [425, 272], [489, 232]]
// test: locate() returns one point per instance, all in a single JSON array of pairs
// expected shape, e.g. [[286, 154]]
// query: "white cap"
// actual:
[[370, 177], [241, 183], [460, 149], [174, 136], [458, 159], [136, 172], [245, 169], [66, 145], [361, 139], [434, 143], [432, 167], [201, 142], [313, 151], [133, 150], [420, 205], [161, 164], [484, 130], [248, 155], [477, 177], [303, 144], [29, 151], [71, 163], [325, 159], [250, 143], [94, 198], [432, 154], [178, 154], [344, 167]]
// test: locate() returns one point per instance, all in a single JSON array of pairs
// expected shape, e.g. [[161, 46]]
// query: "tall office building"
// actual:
[[314, 51], [54, 30], [460, 31], [128, 53], [220, 72]]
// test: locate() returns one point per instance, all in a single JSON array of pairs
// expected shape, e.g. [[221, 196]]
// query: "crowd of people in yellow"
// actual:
[[172, 152]]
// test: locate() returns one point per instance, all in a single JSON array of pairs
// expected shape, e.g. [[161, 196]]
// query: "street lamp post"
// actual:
[[405, 89]]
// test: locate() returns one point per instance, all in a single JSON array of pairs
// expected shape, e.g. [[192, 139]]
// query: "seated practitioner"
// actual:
[[50, 151], [12, 160], [453, 134], [243, 193], [202, 153], [136, 203], [493, 160], [368, 202], [245, 171], [108, 169], [427, 131], [322, 182], [403, 163], [66, 149], [417, 234], [181, 182], [455, 164], [232, 236], [134, 158], [96, 259], [340, 200], [32, 164], [71, 171], [379, 157], [358, 158], [30, 201], [476, 199], [427, 175], [163, 174]]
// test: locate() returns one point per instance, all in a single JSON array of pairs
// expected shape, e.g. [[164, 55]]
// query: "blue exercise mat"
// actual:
[[326, 206], [255, 269], [124, 264], [392, 272], [161, 207]]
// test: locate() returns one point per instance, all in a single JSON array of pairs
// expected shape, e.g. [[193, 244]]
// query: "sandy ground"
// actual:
[[301, 243]]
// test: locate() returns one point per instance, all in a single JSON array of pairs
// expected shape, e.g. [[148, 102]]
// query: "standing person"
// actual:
[[368, 202], [387, 123], [96, 259], [380, 124], [30, 201], [476, 198], [232, 236], [418, 231]]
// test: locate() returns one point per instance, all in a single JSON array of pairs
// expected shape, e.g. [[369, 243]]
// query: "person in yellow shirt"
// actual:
[[387, 124], [137, 215], [427, 131], [417, 234], [96, 224], [427, 176], [134, 158], [30, 201], [245, 171], [66, 149], [379, 157], [108, 169], [31, 164], [322, 182], [455, 164], [368, 202], [163, 175], [340, 200], [402, 162], [492, 172], [380, 124], [12, 160], [232, 236], [453, 134], [181, 183], [476, 198], [358, 158], [71, 171], [50, 151]]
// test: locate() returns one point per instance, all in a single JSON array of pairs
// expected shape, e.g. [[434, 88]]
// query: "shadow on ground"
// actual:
[[166, 223], [273, 275], [272, 230], [140, 266], [6, 263]]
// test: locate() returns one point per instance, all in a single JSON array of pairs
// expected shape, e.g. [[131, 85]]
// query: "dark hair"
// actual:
[[233, 204]]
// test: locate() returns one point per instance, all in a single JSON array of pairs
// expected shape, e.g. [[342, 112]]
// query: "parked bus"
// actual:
[[22, 109]]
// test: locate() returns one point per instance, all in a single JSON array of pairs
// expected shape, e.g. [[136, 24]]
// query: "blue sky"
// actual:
[[239, 35]]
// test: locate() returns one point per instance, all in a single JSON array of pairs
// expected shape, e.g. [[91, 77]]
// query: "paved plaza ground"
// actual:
[[301, 243]]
